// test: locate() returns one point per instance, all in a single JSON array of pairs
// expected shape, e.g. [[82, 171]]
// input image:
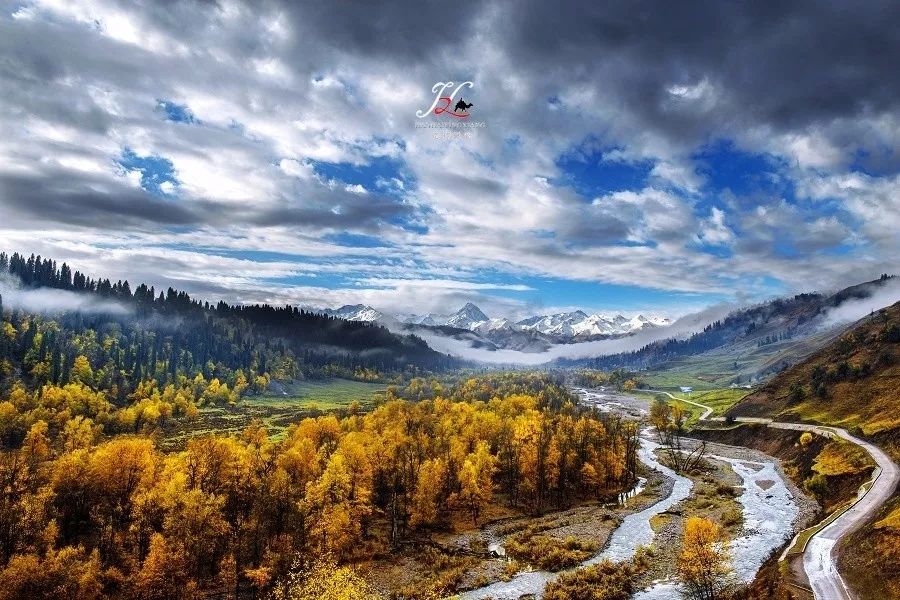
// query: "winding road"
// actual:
[[707, 410], [819, 559]]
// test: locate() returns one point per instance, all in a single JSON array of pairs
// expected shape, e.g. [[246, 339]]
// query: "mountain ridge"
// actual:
[[542, 330]]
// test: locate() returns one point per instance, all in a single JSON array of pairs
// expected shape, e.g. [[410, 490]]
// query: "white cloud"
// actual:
[[714, 230], [272, 94]]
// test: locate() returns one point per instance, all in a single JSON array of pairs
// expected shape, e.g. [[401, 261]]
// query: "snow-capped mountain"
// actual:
[[576, 324], [538, 331], [354, 312], [494, 325], [562, 324], [468, 317]]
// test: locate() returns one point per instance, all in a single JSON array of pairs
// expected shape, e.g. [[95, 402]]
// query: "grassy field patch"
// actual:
[[328, 394], [284, 405]]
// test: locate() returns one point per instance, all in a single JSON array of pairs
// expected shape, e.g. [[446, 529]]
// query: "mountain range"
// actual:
[[535, 332]]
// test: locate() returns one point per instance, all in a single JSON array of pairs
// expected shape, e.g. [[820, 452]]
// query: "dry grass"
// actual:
[[852, 383], [549, 553]]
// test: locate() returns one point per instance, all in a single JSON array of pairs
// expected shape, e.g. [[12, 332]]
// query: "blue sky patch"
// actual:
[[592, 175], [157, 173], [380, 168], [178, 113], [727, 168]]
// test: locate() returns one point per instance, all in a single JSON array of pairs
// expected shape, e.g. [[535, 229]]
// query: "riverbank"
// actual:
[[745, 491], [463, 558]]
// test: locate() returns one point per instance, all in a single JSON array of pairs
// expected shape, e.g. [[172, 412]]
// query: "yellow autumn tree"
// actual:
[[704, 563], [426, 498], [82, 371], [163, 573], [324, 580], [476, 481], [334, 526]]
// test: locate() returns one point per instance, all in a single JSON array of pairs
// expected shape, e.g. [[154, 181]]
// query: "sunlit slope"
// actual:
[[741, 362], [851, 382]]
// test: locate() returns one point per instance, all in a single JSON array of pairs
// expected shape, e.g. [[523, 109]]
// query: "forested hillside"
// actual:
[[130, 336], [852, 383], [774, 321]]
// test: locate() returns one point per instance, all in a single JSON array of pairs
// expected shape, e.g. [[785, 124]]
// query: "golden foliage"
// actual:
[[229, 512], [603, 581], [324, 580], [892, 521], [704, 562], [842, 458]]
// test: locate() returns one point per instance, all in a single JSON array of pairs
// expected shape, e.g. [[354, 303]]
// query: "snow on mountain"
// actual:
[[492, 325], [561, 324], [640, 322], [564, 327], [354, 312], [467, 317], [597, 325]]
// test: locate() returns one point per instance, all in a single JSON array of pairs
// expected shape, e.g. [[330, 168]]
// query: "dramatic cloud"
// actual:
[[647, 153], [853, 310]]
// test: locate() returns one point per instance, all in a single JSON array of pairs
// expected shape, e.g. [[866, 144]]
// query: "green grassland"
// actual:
[[277, 410], [739, 363], [720, 400], [328, 394]]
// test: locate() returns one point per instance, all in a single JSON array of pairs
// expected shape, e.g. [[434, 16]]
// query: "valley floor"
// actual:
[[748, 492]]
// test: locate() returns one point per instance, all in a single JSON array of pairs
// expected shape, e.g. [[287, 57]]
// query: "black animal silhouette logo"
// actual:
[[461, 105]]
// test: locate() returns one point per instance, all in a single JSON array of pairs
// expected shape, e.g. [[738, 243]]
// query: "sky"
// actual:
[[642, 156]]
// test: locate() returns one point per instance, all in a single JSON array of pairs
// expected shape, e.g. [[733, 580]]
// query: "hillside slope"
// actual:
[[852, 382], [756, 342], [50, 317]]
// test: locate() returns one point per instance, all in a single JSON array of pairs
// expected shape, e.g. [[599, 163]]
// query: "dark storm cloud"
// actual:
[[59, 198], [785, 64], [399, 29], [280, 87], [332, 209]]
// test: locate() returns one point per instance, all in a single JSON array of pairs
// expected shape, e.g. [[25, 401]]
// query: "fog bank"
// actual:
[[49, 300]]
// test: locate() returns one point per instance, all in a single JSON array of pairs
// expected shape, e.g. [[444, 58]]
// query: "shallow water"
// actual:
[[769, 512], [768, 507], [634, 531]]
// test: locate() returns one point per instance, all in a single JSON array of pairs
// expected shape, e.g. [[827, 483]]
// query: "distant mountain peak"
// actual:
[[354, 312], [467, 317], [558, 327]]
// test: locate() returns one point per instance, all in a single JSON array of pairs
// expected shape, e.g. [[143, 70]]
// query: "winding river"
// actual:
[[768, 509], [769, 513], [634, 531]]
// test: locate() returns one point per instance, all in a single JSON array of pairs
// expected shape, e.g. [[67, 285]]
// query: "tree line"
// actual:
[[164, 336]]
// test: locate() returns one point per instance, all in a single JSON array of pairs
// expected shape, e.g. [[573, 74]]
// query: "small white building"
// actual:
[[686, 390]]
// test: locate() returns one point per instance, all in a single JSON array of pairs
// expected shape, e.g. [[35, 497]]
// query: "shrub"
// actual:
[[817, 485], [732, 516], [603, 581], [550, 553]]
